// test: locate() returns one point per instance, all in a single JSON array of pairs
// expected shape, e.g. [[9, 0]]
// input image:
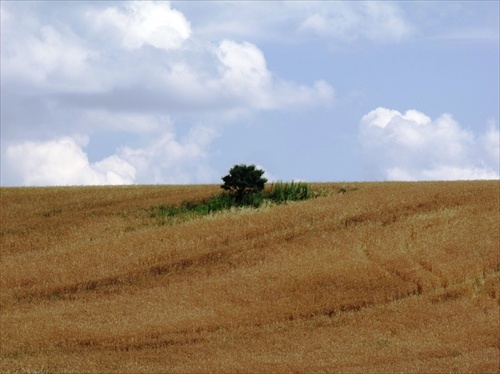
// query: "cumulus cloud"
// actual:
[[140, 23], [227, 76], [412, 146], [243, 71], [46, 56], [172, 160], [244, 75], [63, 161]]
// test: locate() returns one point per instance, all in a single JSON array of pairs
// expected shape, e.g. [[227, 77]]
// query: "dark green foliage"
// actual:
[[243, 180]]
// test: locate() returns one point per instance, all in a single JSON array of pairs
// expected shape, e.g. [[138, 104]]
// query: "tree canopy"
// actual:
[[243, 180]]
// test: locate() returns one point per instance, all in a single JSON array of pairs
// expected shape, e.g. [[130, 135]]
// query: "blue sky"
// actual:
[[179, 92]]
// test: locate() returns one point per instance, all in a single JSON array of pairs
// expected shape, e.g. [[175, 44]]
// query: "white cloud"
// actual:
[[171, 160], [63, 162], [382, 117], [145, 22], [243, 70], [47, 56], [411, 146], [245, 77]]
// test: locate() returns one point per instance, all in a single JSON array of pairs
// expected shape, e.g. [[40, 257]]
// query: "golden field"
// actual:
[[365, 278]]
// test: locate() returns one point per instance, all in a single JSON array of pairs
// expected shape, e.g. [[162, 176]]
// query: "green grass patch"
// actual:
[[279, 193], [282, 192]]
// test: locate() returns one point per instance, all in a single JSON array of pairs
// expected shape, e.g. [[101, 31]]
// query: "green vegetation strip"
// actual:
[[279, 193]]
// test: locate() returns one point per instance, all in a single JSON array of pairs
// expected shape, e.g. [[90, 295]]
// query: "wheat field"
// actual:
[[364, 278]]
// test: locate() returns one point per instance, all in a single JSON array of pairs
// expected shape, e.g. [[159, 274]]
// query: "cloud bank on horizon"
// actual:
[[413, 147], [147, 92]]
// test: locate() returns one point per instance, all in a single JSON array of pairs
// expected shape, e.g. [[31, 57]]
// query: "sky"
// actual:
[[140, 92]]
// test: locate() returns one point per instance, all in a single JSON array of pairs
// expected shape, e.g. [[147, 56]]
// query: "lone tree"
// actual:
[[243, 180]]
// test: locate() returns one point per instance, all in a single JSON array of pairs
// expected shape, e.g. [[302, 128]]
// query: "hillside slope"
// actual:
[[368, 277]]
